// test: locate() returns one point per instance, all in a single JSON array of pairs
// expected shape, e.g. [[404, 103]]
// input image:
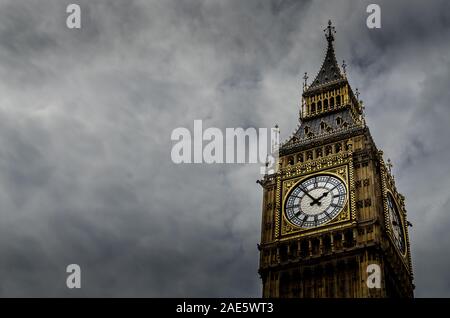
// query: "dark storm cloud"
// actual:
[[86, 117]]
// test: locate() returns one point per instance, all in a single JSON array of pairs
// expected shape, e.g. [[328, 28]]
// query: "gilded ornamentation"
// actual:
[[337, 164], [327, 196]]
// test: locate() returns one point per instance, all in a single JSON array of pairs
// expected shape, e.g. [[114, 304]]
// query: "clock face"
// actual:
[[396, 224], [315, 201]]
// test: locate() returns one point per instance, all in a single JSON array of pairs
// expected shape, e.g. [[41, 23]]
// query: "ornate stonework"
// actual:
[[317, 241]]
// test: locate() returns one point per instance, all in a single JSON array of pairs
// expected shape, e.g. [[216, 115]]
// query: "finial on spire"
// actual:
[[344, 66], [389, 165], [362, 116], [361, 106], [305, 84], [329, 31]]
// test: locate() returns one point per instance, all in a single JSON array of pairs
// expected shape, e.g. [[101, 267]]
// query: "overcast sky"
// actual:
[[86, 117]]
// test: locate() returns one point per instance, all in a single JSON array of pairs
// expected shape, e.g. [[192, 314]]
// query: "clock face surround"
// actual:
[[315, 201], [396, 224]]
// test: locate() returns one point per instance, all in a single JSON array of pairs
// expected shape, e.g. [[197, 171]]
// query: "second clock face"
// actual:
[[396, 224], [315, 201]]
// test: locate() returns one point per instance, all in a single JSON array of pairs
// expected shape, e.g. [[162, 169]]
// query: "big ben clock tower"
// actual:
[[333, 222]]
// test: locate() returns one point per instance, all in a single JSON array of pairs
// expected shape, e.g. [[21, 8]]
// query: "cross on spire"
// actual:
[[329, 31]]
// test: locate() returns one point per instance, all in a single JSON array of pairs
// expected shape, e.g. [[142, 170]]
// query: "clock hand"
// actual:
[[323, 195], [309, 195], [317, 201]]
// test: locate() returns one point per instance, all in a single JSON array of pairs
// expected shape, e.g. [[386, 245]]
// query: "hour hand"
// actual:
[[317, 201], [323, 195]]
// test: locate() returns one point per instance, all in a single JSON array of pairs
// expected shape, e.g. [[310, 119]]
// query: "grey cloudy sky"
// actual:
[[86, 117]]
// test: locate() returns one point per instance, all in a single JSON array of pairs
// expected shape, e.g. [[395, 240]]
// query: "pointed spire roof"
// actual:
[[330, 71]]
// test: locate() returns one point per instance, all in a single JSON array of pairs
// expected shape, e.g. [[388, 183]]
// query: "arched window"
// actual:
[[337, 148], [291, 161], [306, 130], [325, 104], [339, 121], [328, 150], [318, 152], [319, 106], [338, 100], [331, 102], [323, 126], [313, 108], [300, 157]]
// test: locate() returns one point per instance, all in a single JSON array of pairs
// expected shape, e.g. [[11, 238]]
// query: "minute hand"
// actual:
[[309, 195]]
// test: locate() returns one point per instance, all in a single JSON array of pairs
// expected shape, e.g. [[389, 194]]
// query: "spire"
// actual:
[[330, 71]]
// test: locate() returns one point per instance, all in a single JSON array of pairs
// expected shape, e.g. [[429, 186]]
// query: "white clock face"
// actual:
[[396, 224], [315, 201]]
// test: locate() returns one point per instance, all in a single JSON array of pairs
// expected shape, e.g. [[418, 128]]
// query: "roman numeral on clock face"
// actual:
[[303, 221], [315, 201]]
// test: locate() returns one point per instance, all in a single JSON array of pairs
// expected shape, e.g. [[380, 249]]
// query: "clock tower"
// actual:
[[333, 222]]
